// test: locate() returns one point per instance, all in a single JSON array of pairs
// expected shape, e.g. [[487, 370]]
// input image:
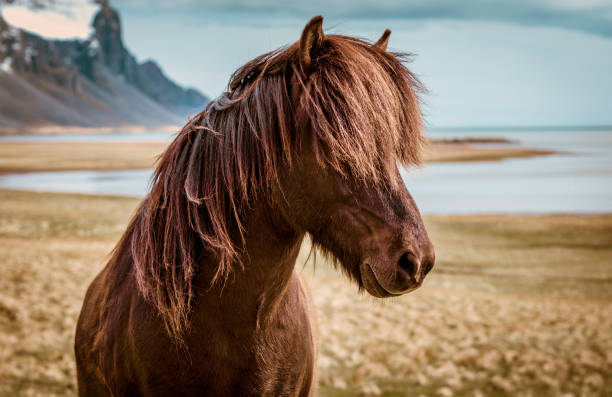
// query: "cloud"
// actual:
[[590, 16], [64, 20]]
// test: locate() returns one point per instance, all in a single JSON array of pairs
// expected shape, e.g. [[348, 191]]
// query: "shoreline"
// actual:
[[139, 128], [478, 150], [448, 215], [35, 156]]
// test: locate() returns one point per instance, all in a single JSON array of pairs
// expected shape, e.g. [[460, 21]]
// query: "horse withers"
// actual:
[[200, 296]]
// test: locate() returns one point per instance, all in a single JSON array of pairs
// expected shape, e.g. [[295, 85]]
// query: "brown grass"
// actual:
[[66, 156], [517, 305]]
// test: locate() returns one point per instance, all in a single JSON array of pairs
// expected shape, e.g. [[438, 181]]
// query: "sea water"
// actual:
[[577, 180]]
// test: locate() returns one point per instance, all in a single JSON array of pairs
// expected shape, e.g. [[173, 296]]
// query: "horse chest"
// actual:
[[286, 356], [278, 359]]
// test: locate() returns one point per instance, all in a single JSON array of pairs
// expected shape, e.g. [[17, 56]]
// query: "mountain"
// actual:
[[55, 84]]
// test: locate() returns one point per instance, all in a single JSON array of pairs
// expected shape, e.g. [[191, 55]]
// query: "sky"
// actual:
[[485, 63]]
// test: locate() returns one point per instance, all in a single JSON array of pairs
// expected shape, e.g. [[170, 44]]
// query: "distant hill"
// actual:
[[49, 84]]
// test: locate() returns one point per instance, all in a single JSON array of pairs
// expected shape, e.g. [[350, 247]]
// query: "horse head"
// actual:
[[356, 115]]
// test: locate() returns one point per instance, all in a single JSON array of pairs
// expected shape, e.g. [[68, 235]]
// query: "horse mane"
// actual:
[[362, 104]]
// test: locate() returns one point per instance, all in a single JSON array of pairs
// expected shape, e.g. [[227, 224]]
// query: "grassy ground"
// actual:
[[516, 305], [63, 156]]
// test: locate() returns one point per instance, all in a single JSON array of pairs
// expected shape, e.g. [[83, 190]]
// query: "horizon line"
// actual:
[[589, 127]]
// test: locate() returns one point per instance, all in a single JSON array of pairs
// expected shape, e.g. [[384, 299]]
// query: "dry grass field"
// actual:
[[516, 305], [65, 156]]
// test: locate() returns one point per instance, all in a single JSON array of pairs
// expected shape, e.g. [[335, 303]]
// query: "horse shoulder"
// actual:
[[314, 329], [299, 339], [104, 344]]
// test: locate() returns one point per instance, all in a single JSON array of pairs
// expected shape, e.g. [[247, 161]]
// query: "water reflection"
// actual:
[[125, 183]]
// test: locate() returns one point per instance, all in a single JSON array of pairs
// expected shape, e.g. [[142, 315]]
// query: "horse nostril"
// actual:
[[428, 266], [430, 259], [409, 264]]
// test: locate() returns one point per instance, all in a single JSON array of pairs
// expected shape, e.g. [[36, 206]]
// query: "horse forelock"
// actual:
[[362, 106]]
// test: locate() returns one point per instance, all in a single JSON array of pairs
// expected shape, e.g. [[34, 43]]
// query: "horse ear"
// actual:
[[311, 40], [383, 41]]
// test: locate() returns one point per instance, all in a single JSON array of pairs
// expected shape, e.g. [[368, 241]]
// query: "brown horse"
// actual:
[[201, 296]]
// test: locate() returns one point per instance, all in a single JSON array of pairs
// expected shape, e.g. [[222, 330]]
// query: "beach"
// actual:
[[34, 156]]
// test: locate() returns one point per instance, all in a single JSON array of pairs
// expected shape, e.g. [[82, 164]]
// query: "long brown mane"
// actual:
[[360, 101]]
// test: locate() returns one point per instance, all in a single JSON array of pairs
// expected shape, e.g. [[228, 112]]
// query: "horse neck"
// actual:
[[253, 292]]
